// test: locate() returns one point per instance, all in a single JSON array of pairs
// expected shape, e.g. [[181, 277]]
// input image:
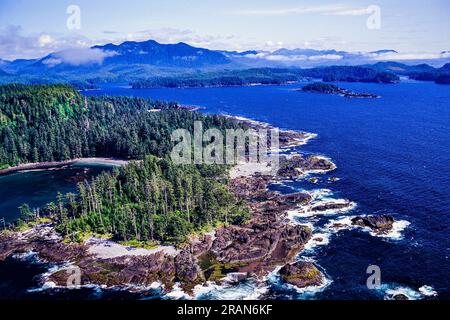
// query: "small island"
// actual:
[[302, 274], [326, 88]]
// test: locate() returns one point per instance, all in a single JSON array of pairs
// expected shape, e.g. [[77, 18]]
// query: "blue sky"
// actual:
[[33, 28]]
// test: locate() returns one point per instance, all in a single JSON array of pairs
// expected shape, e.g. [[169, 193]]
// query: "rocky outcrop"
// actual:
[[252, 249], [266, 240], [298, 165], [139, 271], [400, 296], [49, 247], [287, 138], [301, 274], [331, 206], [259, 249], [314, 180], [187, 269], [249, 187], [380, 224]]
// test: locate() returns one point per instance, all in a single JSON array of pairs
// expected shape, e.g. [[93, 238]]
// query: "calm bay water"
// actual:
[[393, 157], [39, 187]]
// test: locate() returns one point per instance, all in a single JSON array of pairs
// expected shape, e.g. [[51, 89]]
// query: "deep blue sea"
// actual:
[[393, 157]]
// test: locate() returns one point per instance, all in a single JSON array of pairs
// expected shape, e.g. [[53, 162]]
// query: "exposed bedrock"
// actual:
[[298, 165], [331, 206], [383, 223]]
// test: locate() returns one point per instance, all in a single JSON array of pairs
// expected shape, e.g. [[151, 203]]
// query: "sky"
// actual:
[[33, 28]]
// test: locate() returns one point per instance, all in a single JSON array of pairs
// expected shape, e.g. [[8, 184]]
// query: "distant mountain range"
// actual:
[[165, 55], [129, 59], [133, 61]]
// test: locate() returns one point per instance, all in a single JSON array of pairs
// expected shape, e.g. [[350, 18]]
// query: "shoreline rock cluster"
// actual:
[[301, 274], [378, 224], [251, 250], [228, 255]]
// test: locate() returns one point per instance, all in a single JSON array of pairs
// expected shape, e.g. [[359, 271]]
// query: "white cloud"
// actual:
[[389, 56], [292, 58], [314, 9], [326, 57], [79, 56], [350, 12], [407, 56], [271, 45], [172, 35], [259, 55], [16, 45], [45, 39], [286, 58], [13, 44]]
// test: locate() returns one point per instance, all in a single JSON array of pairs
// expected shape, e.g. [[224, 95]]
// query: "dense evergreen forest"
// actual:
[[223, 78], [268, 76], [350, 74], [52, 123], [321, 87], [150, 200], [437, 77]]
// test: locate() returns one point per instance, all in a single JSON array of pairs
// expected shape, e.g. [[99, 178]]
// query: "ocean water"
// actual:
[[39, 187], [392, 156]]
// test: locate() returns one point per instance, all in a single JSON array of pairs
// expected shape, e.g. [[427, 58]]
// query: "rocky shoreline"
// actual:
[[253, 250], [288, 138], [269, 242], [301, 274]]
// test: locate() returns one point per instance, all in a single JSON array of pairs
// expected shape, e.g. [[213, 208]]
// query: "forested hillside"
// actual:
[[268, 76], [54, 123], [224, 78], [152, 200]]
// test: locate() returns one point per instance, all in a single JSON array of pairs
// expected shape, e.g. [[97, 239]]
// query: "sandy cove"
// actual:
[[62, 164]]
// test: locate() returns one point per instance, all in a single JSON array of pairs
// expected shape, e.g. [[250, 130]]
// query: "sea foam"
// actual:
[[309, 292], [390, 290], [245, 290], [345, 223]]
